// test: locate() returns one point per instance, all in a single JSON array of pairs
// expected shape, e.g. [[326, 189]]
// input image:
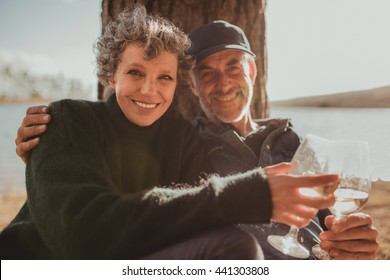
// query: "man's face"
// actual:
[[223, 81]]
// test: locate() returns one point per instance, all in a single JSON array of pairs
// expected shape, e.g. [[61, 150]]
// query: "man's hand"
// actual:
[[351, 238], [292, 207], [34, 124]]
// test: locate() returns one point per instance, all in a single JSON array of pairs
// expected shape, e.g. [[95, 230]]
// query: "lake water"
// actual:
[[372, 125], [11, 166]]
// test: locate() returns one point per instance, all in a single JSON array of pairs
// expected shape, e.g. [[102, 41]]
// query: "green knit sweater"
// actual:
[[100, 187]]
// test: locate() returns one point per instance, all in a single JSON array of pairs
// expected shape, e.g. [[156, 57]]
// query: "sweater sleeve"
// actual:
[[80, 214]]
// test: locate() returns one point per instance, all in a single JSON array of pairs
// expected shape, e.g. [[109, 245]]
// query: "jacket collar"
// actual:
[[204, 125]]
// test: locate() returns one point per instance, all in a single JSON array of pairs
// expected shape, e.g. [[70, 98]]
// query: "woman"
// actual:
[[112, 180]]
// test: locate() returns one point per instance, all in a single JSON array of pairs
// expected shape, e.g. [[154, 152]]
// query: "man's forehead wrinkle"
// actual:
[[202, 66]]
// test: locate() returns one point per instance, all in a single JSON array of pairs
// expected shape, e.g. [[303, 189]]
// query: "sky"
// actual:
[[327, 46], [314, 46], [51, 36]]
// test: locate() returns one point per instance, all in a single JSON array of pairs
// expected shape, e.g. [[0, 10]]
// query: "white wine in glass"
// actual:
[[353, 191], [351, 196]]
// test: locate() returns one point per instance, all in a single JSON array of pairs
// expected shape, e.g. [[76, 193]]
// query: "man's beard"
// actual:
[[223, 116]]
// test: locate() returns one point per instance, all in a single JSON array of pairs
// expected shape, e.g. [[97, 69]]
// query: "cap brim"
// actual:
[[214, 49]]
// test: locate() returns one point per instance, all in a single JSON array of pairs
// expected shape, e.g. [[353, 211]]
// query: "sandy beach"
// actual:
[[378, 207]]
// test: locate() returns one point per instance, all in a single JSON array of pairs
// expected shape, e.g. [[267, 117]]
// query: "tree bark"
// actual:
[[190, 14]]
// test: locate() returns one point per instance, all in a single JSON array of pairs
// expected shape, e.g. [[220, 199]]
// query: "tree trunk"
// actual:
[[190, 14]]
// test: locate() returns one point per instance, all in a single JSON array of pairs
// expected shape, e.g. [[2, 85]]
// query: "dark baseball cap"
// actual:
[[216, 36]]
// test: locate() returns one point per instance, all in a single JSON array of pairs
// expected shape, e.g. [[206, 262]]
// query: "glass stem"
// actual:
[[293, 232]]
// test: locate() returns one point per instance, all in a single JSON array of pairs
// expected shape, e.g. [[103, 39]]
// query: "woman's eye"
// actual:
[[166, 77], [134, 73]]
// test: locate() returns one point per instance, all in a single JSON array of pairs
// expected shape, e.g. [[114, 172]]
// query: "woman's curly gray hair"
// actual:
[[153, 32]]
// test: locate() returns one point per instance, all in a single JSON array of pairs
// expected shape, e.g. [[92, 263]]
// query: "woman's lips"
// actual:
[[146, 105]]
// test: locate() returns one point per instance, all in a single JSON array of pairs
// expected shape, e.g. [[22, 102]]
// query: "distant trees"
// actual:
[[22, 84]]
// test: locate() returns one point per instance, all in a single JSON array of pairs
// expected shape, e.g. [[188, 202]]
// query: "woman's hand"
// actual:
[[292, 207], [277, 169]]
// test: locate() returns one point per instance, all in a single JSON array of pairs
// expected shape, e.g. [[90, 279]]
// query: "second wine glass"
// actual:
[[353, 191], [355, 182]]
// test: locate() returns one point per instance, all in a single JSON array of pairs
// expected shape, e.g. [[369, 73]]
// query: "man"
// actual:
[[223, 79]]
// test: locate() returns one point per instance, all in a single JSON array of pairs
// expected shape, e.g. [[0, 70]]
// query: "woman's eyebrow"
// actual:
[[134, 64]]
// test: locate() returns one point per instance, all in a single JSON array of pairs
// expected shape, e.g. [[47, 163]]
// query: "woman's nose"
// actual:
[[149, 87]]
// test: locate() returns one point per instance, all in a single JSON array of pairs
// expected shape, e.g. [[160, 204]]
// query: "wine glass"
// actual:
[[353, 191], [348, 159], [355, 185], [311, 157]]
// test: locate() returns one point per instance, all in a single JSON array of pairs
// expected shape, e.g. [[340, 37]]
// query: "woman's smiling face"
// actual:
[[144, 88]]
